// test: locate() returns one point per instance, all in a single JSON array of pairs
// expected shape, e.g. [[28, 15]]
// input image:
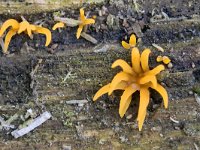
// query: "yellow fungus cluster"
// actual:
[[138, 77], [24, 26], [17, 28], [83, 21]]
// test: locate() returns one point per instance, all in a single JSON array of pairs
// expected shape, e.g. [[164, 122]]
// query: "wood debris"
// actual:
[[70, 22], [197, 98], [104, 48], [2, 43], [173, 120], [79, 102], [7, 124], [196, 147], [89, 38], [36, 68], [34, 124], [159, 48]]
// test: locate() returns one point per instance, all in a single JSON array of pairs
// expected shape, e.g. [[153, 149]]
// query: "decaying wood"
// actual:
[[100, 120], [77, 70]]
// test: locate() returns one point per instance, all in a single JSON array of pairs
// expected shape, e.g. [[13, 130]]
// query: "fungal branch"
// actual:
[[14, 26], [132, 78]]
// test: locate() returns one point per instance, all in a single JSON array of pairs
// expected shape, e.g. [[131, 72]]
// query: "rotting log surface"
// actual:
[[75, 72], [36, 6]]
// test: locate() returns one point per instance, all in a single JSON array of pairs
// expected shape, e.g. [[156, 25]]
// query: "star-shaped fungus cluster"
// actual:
[[12, 27], [17, 28], [82, 22], [138, 77]]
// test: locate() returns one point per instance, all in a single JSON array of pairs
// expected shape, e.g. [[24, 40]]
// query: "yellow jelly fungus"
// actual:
[[83, 21], [94, 16], [166, 60], [58, 25], [137, 77], [131, 44]]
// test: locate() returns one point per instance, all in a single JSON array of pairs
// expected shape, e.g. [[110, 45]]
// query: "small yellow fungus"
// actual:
[[159, 59], [131, 44], [166, 60], [159, 48], [94, 16], [58, 25], [137, 77], [83, 21]]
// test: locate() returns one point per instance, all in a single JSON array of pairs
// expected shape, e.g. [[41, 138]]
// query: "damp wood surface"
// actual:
[[73, 69], [37, 6]]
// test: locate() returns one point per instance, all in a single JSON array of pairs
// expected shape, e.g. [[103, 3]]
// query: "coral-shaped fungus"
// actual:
[[24, 26], [136, 78], [83, 21]]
